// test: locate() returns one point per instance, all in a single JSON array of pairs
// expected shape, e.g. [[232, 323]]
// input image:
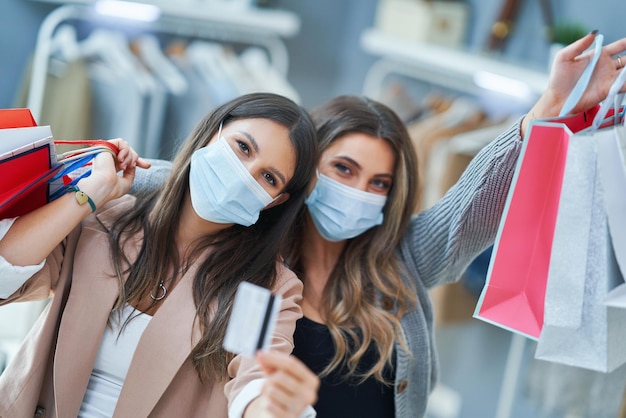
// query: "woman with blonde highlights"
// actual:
[[367, 263]]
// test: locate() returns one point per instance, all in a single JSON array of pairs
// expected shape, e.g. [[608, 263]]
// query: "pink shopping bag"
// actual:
[[514, 293]]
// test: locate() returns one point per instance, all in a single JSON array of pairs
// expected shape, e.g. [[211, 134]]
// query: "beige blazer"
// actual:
[[49, 375]]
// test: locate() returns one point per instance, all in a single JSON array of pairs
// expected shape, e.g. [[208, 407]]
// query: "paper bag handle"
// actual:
[[611, 100], [72, 161], [581, 85], [91, 142]]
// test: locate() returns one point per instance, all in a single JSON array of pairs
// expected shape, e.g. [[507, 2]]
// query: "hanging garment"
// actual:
[[183, 111], [66, 98], [462, 115]]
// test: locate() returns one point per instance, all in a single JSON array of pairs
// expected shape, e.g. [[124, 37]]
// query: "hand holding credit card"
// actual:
[[252, 320]]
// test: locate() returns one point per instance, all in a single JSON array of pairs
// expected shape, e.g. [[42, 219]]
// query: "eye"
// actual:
[[269, 178], [381, 185], [342, 168], [243, 147]]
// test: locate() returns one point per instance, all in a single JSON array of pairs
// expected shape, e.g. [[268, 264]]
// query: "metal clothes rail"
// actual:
[[263, 28]]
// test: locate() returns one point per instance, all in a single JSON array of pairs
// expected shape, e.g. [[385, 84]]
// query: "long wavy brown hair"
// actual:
[[237, 253], [368, 268]]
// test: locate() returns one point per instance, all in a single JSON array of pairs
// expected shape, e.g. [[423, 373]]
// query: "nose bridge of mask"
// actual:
[[351, 192], [242, 172]]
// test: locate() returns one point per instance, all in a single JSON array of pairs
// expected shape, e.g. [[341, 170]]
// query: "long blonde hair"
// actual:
[[368, 266]]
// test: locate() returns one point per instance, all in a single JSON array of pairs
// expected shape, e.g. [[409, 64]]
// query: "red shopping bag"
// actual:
[[25, 181], [514, 293], [16, 118], [30, 172], [26, 163]]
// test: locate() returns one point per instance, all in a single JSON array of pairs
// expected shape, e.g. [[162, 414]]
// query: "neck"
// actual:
[[319, 258], [192, 227]]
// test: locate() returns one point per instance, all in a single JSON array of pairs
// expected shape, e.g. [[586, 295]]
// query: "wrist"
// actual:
[[547, 106], [81, 197], [97, 193]]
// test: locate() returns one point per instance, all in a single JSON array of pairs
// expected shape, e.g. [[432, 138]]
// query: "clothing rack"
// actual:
[[258, 27]]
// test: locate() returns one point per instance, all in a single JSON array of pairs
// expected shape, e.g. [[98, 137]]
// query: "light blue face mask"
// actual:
[[222, 190], [341, 212]]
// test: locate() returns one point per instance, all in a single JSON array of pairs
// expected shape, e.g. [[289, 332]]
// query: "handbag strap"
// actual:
[[612, 100], [581, 85]]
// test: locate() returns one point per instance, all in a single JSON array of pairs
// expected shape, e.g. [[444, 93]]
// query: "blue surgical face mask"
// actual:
[[341, 212], [222, 190]]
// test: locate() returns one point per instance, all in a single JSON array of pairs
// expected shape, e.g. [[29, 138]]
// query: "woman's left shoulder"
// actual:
[[286, 279], [108, 214]]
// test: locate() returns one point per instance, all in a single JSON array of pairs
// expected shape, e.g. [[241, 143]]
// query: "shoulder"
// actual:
[[147, 180], [286, 280]]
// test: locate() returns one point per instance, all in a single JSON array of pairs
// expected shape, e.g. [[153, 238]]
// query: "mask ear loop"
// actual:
[[219, 131]]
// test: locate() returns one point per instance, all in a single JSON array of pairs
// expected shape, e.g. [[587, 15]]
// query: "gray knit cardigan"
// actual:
[[437, 247]]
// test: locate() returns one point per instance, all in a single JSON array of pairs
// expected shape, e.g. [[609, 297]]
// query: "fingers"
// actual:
[[127, 156], [286, 385], [285, 396], [616, 48], [143, 163], [290, 385], [575, 50], [273, 361], [125, 161], [566, 70]]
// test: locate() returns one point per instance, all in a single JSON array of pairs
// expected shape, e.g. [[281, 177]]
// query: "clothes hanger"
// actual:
[[101, 45], [461, 109], [150, 52], [203, 59], [112, 49], [264, 74], [227, 60], [64, 44]]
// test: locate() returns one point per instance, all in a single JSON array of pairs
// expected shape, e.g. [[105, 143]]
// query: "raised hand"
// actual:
[[567, 68]]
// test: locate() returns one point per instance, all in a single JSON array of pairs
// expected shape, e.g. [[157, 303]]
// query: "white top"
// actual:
[[112, 363], [13, 277]]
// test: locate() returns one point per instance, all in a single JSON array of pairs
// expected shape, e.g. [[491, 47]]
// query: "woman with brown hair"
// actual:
[[141, 288]]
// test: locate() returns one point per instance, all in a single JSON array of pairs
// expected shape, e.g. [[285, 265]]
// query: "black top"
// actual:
[[337, 396]]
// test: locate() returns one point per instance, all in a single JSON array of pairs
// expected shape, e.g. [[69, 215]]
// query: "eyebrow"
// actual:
[[350, 160], [273, 169], [358, 166], [389, 176]]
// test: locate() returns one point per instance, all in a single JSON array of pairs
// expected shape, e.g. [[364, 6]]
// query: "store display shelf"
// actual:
[[460, 70]]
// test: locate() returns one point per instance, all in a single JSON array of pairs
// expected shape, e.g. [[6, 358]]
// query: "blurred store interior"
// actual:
[[457, 72]]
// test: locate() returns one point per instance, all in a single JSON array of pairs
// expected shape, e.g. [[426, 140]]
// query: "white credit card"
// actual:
[[252, 320]]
